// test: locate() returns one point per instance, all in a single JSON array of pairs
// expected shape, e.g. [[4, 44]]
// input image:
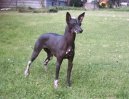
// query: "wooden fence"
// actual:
[[30, 3]]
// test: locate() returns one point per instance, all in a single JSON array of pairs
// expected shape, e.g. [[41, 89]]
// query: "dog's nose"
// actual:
[[81, 31]]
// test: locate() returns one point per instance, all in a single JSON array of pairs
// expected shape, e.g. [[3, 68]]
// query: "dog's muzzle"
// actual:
[[78, 31]]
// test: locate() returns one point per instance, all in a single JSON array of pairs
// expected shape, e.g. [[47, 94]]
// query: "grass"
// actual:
[[101, 64]]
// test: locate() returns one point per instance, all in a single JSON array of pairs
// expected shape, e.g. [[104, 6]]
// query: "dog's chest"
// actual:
[[69, 52]]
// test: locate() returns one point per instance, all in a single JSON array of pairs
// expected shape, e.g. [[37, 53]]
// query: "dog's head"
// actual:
[[75, 23]]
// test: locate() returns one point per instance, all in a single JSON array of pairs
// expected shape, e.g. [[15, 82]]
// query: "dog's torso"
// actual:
[[55, 43]]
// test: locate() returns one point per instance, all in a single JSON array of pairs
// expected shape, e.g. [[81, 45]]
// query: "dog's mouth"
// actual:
[[78, 32], [75, 31]]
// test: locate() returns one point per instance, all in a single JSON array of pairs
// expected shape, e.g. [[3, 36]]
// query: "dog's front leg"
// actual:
[[58, 64], [70, 66], [26, 72]]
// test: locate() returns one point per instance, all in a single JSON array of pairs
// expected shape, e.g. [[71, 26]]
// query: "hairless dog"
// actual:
[[61, 46]]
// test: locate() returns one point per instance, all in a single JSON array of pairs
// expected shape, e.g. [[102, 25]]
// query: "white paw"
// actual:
[[26, 73], [55, 84]]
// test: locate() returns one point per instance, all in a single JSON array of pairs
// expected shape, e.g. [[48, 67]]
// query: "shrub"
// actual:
[[69, 8], [76, 3], [24, 9], [53, 10], [42, 10]]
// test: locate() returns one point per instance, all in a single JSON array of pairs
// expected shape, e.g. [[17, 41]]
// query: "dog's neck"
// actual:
[[69, 36]]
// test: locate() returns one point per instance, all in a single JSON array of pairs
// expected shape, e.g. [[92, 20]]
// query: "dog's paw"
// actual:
[[55, 84], [26, 73]]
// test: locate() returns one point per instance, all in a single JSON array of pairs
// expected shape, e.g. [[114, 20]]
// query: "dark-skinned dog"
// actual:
[[60, 46]]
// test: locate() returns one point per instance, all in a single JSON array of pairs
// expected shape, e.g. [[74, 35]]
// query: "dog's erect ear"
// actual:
[[81, 16], [68, 17]]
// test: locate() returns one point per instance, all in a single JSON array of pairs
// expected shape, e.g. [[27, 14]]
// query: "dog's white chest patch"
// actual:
[[68, 50]]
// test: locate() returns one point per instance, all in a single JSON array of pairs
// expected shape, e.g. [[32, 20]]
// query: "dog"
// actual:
[[60, 46]]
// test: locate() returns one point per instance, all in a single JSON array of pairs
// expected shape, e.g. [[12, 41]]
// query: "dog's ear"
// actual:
[[81, 16], [68, 17]]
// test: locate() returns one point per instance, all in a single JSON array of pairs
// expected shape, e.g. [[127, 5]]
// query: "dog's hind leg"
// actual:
[[35, 53], [49, 57]]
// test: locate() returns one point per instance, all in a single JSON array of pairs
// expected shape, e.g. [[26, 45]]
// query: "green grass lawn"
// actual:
[[101, 64]]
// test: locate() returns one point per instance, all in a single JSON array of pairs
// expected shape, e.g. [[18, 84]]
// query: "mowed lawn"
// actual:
[[101, 63]]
